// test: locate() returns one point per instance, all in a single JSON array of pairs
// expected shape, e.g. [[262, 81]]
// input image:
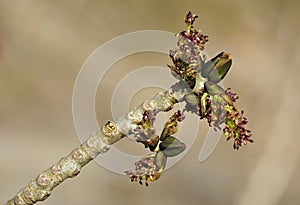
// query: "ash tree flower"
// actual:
[[145, 170], [207, 99], [150, 167]]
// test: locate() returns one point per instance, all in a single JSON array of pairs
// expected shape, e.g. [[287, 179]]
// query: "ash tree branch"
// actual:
[[99, 142], [197, 87]]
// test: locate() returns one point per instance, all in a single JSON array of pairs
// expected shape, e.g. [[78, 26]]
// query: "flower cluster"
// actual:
[[215, 113], [235, 124], [220, 109], [235, 128], [188, 57], [209, 100], [233, 96], [150, 167], [145, 170], [195, 36], [206, 99], [190, 18]]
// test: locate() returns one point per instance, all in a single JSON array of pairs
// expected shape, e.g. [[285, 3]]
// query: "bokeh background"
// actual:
[[43, 45]]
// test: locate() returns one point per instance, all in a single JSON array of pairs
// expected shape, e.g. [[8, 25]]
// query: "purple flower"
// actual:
[[145, 170], [220, 109]]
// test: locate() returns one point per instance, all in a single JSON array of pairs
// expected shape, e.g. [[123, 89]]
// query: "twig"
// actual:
[[99, 142]]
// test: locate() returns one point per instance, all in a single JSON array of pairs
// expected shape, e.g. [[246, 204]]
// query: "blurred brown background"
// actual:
[[43, 45]]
